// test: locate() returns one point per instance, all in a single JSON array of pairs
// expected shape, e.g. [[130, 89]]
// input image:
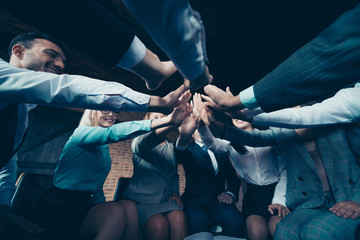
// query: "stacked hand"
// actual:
[[166, 104], [182, 109], [189, 125], [224, 104], [226, 101], [206, 115]]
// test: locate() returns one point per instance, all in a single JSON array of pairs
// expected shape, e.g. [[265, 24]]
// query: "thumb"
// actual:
[[228, 90]]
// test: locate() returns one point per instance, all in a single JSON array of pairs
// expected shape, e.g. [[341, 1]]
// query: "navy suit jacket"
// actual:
[[202, 185]]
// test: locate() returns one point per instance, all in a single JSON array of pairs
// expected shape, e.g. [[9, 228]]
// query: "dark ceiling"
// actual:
[[245, 39]]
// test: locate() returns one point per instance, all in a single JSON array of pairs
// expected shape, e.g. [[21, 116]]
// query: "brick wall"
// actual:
[[122, 166]]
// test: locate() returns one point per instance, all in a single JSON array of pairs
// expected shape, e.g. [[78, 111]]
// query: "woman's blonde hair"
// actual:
[[88, 118]]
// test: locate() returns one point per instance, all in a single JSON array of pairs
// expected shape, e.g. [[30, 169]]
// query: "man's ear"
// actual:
[[18, 51]]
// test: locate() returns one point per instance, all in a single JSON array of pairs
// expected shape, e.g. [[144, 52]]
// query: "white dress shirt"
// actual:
[[259, 165], [343, 107]]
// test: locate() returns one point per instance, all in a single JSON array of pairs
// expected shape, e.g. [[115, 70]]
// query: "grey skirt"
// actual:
[[145, 211]]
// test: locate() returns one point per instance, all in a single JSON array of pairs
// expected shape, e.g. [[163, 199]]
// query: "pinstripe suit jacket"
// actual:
[[304, 187], [321, 67]]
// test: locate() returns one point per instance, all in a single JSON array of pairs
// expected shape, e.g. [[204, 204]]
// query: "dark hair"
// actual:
[[28, 39]]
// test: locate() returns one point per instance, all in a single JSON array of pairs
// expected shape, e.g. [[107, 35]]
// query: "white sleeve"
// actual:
[[344, 107], [26, 86], [214, 144], [177, 29], [280, 189]]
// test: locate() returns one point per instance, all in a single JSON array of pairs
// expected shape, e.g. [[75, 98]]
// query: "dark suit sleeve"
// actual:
[[182, 155], [232, 180], [318, 69]]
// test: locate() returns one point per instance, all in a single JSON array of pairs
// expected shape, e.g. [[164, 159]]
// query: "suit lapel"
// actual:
[[204, 159], [300, 148], [326, 153]]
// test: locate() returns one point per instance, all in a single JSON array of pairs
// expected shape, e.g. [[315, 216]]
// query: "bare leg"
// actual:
[[272, 223], [132, 224], [105, 221], [156, 228], [257, 227], [178, 227], [153, 71]]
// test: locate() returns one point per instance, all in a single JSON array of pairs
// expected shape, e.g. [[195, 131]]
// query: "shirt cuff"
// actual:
[[178, 147], [147, 124], [134, 55], [251, 113], [231, 194], [247, 98]]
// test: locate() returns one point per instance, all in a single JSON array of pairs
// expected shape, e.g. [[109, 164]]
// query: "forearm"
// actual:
[[121, 131], [183, 141], [214, 144], [251, 138], [185, 45], [162, 133], [161, 122]]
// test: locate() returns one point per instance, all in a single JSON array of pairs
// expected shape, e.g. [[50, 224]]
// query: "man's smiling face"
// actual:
[[44, 56]]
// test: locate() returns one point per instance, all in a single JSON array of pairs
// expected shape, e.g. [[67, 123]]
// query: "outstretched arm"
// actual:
[[178, 31], [344, 107], [121, 131]]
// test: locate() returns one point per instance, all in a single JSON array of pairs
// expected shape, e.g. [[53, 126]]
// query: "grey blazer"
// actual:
[[155, 170], [304, 186]]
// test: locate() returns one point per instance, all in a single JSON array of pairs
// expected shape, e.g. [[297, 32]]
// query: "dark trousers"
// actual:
[[61, 212], [201, 218]]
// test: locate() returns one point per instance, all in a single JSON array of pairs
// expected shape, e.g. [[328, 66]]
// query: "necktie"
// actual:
[[8, 121], [204, 148]]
